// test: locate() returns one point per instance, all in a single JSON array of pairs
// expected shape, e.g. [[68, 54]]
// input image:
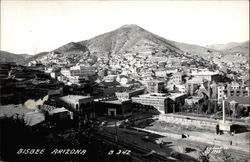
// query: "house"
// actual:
[[160, 73], [170, 70]]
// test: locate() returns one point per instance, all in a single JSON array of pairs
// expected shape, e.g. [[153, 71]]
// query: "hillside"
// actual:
[[34, 57], [129, 38], [134, 39], [11, 57], [201, 51], [72, 48], [233, 48]]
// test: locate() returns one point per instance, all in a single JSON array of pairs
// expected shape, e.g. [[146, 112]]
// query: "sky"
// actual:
[[35, 26]]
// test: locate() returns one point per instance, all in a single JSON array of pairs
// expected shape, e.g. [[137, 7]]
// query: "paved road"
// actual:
[[135, 138]]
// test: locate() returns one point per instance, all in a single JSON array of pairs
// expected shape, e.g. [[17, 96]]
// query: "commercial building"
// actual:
[[164, 103], [81, 106], [238, 106], [232, 90], [114, 108], [82, 71], [175, 102], [130, 93], [4, 69], [161, 73], [154, 100], [193, 84], [207, 75], [177, 78], [154, 86]]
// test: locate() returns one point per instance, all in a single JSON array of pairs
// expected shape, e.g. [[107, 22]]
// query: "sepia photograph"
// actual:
[[124, 81]]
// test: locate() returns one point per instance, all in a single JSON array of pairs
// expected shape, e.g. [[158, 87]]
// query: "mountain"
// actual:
[[11, 57], [129, 38], [233, 48], [201, 51], [34, 57], [67, 50], [72, 48], [132, 38]]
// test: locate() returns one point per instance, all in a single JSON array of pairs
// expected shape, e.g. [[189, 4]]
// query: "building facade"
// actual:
[[81, 106], [154, 86], [114, 108], [232, 90], [130, 93]]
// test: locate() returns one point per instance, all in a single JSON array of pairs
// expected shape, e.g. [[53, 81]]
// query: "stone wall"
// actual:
[[188, 122]]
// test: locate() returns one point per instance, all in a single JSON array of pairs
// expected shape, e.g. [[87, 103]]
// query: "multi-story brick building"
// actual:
[[233, 89], [130, 93], [154, 86], [164, 103]]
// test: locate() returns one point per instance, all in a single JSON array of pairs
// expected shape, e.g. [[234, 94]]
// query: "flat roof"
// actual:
[[173, 96], [117, 102], [195, 80], [204, 73], [176, 94], [133, 90], [74, 98], [154, 81], [161, 95], [154, 95], [58, 110]]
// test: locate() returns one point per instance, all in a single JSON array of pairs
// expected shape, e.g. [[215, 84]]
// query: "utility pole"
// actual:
[[223, 110], [116, 132]]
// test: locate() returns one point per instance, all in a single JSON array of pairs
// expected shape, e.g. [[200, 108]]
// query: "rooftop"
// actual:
[[170, 68], [133, 90], [154, 95], [204, 73], [58, 110], [117, 102], [74, 98], [154, 80], [173, 96], [195, 80]]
